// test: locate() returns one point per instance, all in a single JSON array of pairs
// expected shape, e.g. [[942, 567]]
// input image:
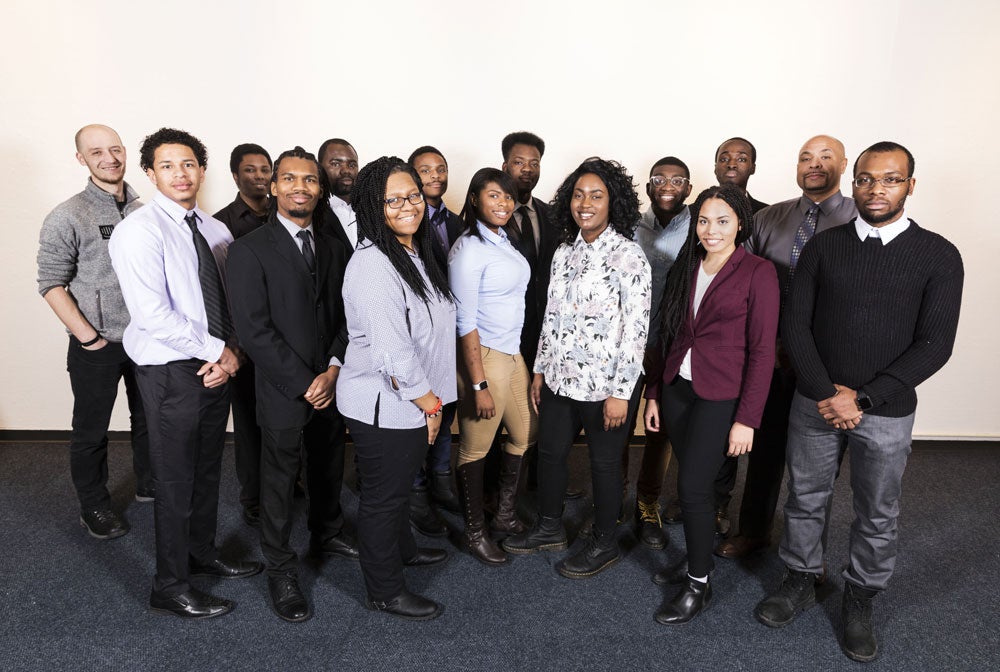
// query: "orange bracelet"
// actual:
[[436, 411]]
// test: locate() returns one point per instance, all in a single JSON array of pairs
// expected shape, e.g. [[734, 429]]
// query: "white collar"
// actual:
[[886, 232], [293, 228]]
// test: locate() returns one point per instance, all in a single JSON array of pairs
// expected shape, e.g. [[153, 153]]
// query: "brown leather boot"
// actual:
[[506, 521], [475, 538]]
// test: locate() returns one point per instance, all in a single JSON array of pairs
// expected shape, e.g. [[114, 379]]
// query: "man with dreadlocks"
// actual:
[[399, 371], [285, 291]]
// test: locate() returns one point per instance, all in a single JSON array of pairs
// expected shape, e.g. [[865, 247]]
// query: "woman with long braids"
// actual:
[[590, 356], [710, 382], [488, 278], [399, 370]]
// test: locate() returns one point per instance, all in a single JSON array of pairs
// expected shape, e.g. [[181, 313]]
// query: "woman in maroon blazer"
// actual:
[[720, 319]]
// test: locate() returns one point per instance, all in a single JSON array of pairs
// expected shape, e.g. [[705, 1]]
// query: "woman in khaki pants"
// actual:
[[488, 277]]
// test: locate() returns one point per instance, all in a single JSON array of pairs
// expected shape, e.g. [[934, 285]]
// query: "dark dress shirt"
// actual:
[[239, 218]]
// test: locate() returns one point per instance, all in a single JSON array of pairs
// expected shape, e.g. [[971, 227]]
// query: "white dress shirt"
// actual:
[[153, 254], [349, 220], [885, 233]]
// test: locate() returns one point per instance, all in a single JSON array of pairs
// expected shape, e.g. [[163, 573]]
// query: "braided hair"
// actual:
[[677, 293], [623, 205], [368, 201]]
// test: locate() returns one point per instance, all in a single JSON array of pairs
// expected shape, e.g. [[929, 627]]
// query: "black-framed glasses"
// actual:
[[396, 202], [659, 181], [889, 181]]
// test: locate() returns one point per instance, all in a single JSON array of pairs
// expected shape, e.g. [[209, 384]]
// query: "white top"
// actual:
[[345, 213], [153, 254], [701, 286], [293, 230], [885, 232]]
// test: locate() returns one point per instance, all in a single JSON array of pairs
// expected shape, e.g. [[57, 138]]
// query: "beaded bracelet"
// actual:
[[436, 411]]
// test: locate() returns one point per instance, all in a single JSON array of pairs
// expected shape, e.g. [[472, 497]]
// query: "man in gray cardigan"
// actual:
[[76, 279]]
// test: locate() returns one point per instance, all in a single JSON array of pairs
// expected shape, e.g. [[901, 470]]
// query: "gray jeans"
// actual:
[[879, 447]]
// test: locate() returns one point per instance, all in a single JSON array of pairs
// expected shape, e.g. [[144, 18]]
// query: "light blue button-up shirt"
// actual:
[[489, 277]]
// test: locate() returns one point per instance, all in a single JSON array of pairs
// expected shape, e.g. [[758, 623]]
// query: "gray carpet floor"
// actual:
[[68, 602]]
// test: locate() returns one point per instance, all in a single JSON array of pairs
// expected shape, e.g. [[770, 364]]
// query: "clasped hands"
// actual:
[[218, 373], [841, 410]]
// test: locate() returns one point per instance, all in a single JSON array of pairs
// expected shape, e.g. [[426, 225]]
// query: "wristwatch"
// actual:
[[863, 401], [480, 386]]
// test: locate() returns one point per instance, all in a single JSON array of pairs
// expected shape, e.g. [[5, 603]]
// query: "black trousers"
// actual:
[[187, 432], [699, 430], [388, 459], [94, 376], [560, 421], [246, 434], [321, 441], [766, 462]]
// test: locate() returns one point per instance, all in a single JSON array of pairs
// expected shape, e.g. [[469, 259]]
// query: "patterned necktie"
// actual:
[[307, 249], [219, 323], [524, 234], [805, 231], [440, 223]]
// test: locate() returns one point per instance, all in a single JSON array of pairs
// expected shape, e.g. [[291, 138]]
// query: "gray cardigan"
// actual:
[[73, 253]]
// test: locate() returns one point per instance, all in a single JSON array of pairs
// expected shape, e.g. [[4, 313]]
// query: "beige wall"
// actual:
[[628, 80]]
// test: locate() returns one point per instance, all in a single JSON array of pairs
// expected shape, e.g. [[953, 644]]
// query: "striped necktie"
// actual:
[[219, 323]]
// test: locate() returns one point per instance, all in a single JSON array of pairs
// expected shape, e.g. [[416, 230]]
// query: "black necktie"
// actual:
[[525, 235], [216, 310], [307, 250]]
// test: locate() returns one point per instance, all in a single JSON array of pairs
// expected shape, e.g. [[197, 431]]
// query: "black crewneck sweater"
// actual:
[[876, 317]]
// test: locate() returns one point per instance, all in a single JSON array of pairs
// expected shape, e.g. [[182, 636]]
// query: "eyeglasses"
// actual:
[[659, 181], [889, 181], [396, 202]]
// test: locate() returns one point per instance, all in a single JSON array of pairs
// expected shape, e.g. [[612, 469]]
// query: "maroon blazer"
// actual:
[[732, 340]]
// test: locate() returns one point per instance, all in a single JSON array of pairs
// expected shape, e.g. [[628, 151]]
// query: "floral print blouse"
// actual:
[[594, 330]]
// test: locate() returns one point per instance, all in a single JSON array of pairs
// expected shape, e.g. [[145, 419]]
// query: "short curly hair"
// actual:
[[623, 200], [170, 136]]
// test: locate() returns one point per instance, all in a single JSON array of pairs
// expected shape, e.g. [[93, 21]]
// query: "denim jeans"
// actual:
[[879, 448]]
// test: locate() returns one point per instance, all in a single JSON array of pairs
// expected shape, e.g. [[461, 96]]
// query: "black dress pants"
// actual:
[[94, 376], [766, 462], [388, 459], [187, 432], [322, 439], [246, 434], [699, 429], [559, 423]]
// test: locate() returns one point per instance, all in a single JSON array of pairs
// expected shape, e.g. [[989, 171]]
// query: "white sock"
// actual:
[[699, 579]]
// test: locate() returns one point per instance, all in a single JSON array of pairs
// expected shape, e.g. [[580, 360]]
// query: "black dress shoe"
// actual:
[[344, 545], [693, 599], [190, 604], [409, 606], [426, 557], [103, 524], [287, 599], [145, 493], [225, 569]]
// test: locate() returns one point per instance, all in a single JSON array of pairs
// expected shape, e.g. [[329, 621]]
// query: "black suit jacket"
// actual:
[[289, 324], [536, 295], [455, 226], [326, 219]]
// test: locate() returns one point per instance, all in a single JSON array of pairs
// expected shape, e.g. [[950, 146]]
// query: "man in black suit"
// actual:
[[536, 236], [286, 280], [339, 162], [433, 481]]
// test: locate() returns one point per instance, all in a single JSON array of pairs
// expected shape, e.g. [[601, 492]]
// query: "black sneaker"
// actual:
[[796, 594], [103, 524], [856, 616]]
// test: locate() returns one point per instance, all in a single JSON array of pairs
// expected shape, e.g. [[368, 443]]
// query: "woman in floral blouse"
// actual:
[[589, 357]]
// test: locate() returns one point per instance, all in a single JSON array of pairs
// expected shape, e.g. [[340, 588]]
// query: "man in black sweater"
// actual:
[[872, 313]]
